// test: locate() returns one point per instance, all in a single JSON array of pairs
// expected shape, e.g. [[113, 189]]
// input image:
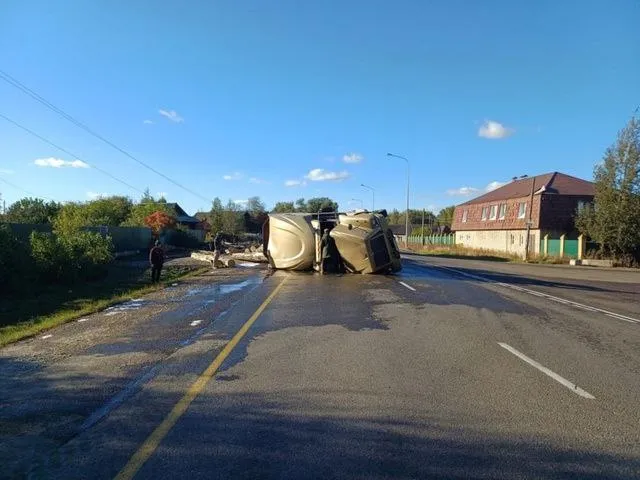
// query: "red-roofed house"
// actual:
[[498, 220]]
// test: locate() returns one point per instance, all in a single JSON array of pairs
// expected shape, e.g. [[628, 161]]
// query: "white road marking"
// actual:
[[408, 286], [571, 386], [110, 314], [564, 301], [80, 320], [195, 323], [44, 337]]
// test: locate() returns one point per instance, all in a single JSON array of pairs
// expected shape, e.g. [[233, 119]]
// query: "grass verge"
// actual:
[[23, 317]]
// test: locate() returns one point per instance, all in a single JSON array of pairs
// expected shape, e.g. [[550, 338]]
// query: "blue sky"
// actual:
[[235, 99]]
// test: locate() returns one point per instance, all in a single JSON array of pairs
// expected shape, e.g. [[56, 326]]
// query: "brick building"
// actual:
[[498, 220]]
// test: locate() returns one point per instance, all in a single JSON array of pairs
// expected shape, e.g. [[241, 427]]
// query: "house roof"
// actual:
[[549, 183], [181, 215], [400, 229]]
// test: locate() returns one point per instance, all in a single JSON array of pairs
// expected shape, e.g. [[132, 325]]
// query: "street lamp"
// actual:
[[406, 232], [373, 196], [358, 200]]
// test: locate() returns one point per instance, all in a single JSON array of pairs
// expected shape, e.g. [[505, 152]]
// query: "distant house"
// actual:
[[399, 231], [498, 220], [182, 217]]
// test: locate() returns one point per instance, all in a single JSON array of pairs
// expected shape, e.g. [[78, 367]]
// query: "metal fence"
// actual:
[[445, 239]]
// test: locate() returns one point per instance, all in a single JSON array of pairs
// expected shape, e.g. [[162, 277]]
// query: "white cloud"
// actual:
[[171, 115], [95, 195], [59, 163], [241, 202], [493, 185], [148, 122], [494, 130], [257, 181], [295, 183], [462, 191], [6, 171], [233, 176], [352, 158], [321, 175]]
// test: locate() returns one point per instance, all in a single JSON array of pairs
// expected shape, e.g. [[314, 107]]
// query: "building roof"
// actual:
[[549, 183], [181, 215], [400, 229]]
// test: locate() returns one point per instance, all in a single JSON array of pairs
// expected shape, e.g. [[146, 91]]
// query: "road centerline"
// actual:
[[152, 442], [563, 381]]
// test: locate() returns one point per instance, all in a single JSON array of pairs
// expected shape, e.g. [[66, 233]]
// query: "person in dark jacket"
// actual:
[[156, 259], [330, 255], [218, 245]]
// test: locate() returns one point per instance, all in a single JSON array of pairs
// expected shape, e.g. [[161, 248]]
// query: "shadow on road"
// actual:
[[263, 436]]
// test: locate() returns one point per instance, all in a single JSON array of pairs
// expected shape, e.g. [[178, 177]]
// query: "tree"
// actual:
[[321, 204], [614, 220], [111, 211], [445, 216], [142, 210], [284, 207], [255, 207], [232, 218], [32, 210], [301, 206], [160, 221], [395, 217], [70, 219], [216, 216]]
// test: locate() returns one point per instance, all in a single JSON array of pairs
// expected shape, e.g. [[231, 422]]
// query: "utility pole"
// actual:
[[529, 222], [406, 231], [373, 196], [423, 227]]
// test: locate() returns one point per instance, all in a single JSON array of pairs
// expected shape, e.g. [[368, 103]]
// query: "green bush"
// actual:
[[15, 261], [68, 258]]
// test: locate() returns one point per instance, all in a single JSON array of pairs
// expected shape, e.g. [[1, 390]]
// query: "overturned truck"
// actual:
[[365, 243]]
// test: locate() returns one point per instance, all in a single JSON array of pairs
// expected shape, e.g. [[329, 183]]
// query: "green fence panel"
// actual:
[[571, 248], [554, 247]]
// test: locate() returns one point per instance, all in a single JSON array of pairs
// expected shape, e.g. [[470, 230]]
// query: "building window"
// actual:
[[522, 209], [512, 239], [494, 212], [485, 213], [502, 212], [465, 213], [521, 239]]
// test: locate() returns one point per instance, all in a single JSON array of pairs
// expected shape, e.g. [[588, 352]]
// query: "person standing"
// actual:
[[330, 256], [156, 259], [218, 245]]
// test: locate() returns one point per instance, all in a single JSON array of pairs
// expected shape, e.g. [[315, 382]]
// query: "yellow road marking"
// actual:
[[151, 443]]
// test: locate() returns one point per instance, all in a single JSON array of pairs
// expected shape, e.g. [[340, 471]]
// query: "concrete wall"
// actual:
[[509, 241]]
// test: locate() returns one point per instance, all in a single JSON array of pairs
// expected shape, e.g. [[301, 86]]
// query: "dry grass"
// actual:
[[458, 251]]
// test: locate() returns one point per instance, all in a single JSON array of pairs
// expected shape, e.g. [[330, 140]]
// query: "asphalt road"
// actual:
[[452, 369]]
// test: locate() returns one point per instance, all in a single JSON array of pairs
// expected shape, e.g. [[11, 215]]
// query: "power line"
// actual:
[[104, 172], [20, 86], [31, 194]]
